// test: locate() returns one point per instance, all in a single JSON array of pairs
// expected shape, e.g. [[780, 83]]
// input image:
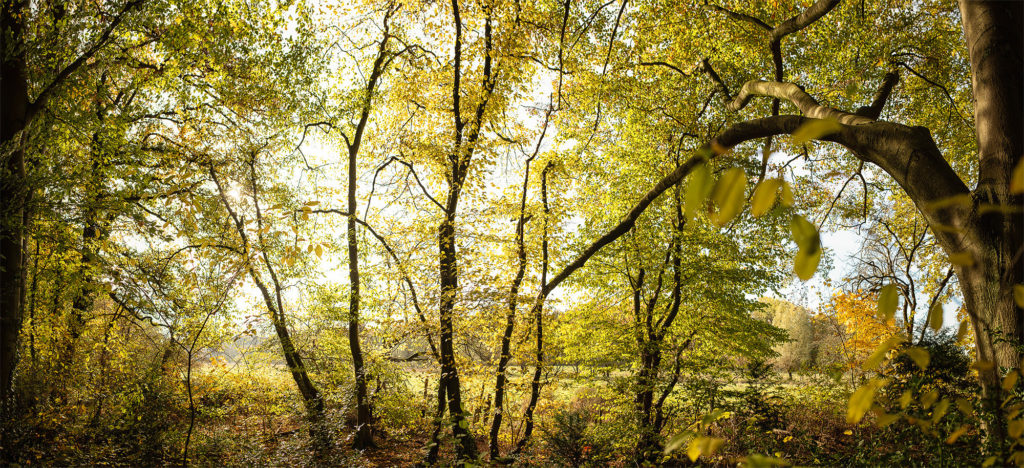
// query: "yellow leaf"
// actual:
[[885, 419], [935, 317], [861, 400], [876, 357], [848, 432], [815, 128], [760, 461], [957, 433], [764, 196], [905, 399], [928, 399], [728, 196], [888, 298], [697, 190], [920, 356], [989, 462], [1010, 380], [319, 250], [809, 243], [787, 195], [1018, 295], [940, 410], [1015, 428], [1017, 178], [703, 446], [962, 258], [962, 199], [964, 406], [962, 331], [982, 366]]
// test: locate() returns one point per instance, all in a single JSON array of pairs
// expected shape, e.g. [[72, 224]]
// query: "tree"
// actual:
[[982, 221], [20, 110], [795, 353]]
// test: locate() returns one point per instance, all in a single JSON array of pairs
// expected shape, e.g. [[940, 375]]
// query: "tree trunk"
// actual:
[[538, 316], [995, 41], [364, 413], [510, 318], [13, 192], [465, 444]]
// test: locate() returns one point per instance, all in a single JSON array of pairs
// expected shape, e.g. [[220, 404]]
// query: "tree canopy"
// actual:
[[377, 232]]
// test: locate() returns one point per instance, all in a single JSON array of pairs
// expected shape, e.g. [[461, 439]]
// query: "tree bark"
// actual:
[[510, 319], [538, 317], [995, 238], [13, 189]]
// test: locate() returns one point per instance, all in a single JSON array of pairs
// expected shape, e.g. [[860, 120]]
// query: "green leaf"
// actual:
[[697, 190], [809, 247], [764, 196], [860, 401], [888, 298], [920, 356], [815, 128], [728, 196]]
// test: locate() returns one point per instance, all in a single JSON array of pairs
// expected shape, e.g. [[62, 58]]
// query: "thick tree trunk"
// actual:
[[13, 191], [995, 41], [465, 444]]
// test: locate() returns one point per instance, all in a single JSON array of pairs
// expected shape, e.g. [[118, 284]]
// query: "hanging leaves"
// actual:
[[764, 196], [809, 247], [935, 317], [728, 196], [697, 189], [860, 401], [888, 298]]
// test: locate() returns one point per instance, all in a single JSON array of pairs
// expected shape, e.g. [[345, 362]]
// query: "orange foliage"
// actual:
[[857, 312]]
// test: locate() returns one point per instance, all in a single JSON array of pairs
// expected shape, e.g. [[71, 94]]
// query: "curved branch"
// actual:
[[803, 20], [796, 95], [873, 110]]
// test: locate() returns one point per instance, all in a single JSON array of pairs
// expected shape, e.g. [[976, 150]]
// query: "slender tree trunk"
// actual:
[[275, 306], [364, 413], [538, 317], [510, 320], [13, 190]]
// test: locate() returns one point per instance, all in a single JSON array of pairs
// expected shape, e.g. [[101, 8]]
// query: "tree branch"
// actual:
[[796, 95]]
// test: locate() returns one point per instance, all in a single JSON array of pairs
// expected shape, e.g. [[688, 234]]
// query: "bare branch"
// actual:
[[793, 93]]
